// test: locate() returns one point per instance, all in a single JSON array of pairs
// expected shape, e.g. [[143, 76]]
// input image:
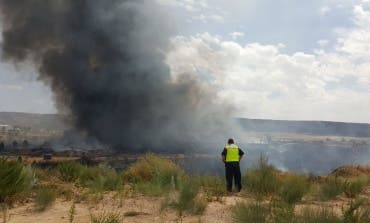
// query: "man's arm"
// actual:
[[241, 153], [223, 155]]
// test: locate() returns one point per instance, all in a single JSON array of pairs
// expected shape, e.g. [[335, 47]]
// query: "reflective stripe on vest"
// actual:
[[232, 154]]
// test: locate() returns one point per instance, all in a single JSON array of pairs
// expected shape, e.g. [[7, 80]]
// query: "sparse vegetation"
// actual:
[[270, 195], [45, 197]]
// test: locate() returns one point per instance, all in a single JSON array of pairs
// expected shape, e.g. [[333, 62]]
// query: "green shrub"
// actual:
[[253, 213], [45, 197], [187, 200], [357, 212], [154, 175], [100, 179], [352, 188], [317, 216], [294, 188], [69, 171], [14, 178], [106, 217], [263, 179], [331, 188]]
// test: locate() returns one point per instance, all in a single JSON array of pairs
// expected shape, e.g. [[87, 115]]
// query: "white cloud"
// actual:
[[189, 5], [323, 42], [236, 35], [324, 10], [263, 82]]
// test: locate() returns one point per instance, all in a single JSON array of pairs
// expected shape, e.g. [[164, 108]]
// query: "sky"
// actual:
[[270, 59]]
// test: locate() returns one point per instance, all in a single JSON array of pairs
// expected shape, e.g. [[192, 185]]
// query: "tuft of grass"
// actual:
[[331, 188], [263, 179], [14, 178], [294, 188], [106, 217], [353, 188], [255, 212], [322, 215], [45, 197], [357, 212], [154, 175], [69, 171]]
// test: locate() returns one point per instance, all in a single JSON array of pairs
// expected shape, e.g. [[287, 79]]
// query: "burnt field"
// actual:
[[303, 147], [301, 156]]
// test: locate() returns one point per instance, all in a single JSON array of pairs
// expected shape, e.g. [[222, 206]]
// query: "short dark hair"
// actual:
[[230, 141]]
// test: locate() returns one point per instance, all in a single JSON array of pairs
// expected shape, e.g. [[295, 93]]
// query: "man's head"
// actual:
[[230, 141]]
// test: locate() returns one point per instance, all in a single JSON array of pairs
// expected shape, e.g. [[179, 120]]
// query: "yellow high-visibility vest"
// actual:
[[232, 154]]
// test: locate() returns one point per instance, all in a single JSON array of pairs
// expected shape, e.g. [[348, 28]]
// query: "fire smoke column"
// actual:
[[103, 59]]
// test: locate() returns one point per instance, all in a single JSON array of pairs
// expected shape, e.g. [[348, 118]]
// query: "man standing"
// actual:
[[231, 156]]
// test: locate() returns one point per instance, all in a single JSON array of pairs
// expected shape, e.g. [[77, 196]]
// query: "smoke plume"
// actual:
[[103, 59]]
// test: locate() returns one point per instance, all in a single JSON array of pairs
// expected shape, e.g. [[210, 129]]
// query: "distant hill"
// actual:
[[35, 121], [55, 122], [306, 127]]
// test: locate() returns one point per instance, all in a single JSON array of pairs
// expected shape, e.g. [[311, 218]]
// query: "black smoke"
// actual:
[[103, 59]]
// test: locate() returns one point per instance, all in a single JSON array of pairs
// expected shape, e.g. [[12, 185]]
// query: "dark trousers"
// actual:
[[232, 170]]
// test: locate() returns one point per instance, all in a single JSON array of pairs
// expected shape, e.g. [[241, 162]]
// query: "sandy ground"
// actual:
[[148, 209]]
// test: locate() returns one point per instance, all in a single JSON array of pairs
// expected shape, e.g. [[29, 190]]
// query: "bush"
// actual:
[[154, 175], [331, 188], [255, 212], [45, 197], [294, 188], [100, 179], [187, 200], [69, 171], [110, 217], [263, 179], [356, 212], [14, 178], [352, 189]]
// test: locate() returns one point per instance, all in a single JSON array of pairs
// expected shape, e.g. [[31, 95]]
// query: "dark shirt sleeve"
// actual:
[[224, 152], [241, 153]]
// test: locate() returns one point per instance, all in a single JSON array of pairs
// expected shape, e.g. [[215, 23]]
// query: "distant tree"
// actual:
[[25, 144], [15, 144], [2, 146]]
